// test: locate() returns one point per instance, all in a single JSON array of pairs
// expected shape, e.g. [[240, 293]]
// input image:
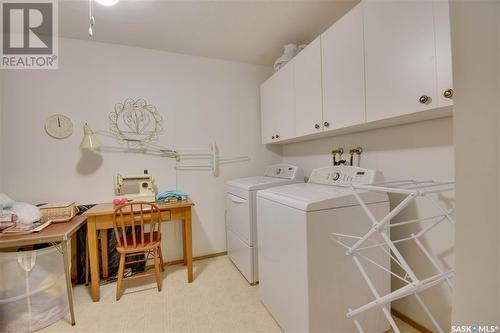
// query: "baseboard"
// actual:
[[171, 263], [409, 321], [206, 256]]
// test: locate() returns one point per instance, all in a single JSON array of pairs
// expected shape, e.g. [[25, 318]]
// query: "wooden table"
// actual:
[[54, 233], [100, 217]]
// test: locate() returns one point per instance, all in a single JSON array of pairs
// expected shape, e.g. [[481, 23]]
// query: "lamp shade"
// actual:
[[90, 140]]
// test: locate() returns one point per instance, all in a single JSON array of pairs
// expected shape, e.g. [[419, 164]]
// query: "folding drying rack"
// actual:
[[411, 189], [199, 160]]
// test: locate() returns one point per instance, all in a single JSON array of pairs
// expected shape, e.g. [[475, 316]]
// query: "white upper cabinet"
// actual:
[[400, 58], [277, 104], [307, 81], [344, 71], [379, 65], [444, 92]]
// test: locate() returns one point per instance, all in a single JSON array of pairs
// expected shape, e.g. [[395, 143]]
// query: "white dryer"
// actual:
[[306, 281], [241, 224]]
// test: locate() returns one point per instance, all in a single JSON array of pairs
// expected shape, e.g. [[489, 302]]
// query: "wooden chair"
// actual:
[[137, 216]]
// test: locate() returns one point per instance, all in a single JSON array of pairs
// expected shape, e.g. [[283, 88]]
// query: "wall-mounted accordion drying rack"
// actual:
[[357, 244], [209, 160]]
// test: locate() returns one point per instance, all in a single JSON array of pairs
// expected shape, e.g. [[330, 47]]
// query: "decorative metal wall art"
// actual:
[[135, 122]]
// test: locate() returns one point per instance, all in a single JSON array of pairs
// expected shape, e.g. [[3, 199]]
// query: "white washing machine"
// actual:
[[241, 225], [306, 280]]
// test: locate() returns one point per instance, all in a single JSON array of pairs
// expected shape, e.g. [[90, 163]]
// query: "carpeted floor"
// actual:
[[219, 300]]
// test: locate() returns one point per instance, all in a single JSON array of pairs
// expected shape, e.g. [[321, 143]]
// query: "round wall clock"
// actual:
[[59, 126]]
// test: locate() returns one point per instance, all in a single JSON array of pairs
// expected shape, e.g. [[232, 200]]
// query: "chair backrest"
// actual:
[[137, 215]]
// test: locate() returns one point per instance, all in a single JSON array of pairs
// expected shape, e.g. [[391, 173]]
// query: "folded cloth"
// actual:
[[26, 213], [171, 195]]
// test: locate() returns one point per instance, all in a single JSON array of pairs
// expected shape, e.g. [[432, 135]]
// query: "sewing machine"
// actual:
[[135, 188]]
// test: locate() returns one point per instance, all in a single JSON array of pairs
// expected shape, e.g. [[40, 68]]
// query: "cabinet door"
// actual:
[[266, 112], [307, 80], [443, 53], [344, 71], [284, 112], [277, 106], [400, 61]]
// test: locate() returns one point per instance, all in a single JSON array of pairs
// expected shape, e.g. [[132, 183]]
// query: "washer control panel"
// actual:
[[344, 176], [285, 171]]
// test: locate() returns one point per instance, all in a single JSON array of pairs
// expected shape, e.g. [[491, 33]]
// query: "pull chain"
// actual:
[[91, 18]]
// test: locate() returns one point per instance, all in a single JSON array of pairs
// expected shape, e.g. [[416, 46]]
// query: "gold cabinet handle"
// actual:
[[326, 124], [316, 126], [448, 93], [424, 99]]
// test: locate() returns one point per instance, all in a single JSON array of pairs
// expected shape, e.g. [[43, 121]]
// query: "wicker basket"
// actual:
[[59, 212]]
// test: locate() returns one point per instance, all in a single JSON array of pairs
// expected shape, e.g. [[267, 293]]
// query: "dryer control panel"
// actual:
[[344, 176], [285, 171]]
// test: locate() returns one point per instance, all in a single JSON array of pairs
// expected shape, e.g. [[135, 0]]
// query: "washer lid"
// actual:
[[312, 197], [258, 183]]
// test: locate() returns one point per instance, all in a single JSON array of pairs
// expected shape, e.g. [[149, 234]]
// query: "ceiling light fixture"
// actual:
[[106, 3]]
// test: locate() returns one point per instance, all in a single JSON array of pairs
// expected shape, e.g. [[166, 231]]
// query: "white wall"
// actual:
[[419, 150], [1, 139], [476, 54], [202, 100]]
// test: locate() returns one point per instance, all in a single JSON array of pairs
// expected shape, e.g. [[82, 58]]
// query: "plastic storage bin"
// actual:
[[32, 289]]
